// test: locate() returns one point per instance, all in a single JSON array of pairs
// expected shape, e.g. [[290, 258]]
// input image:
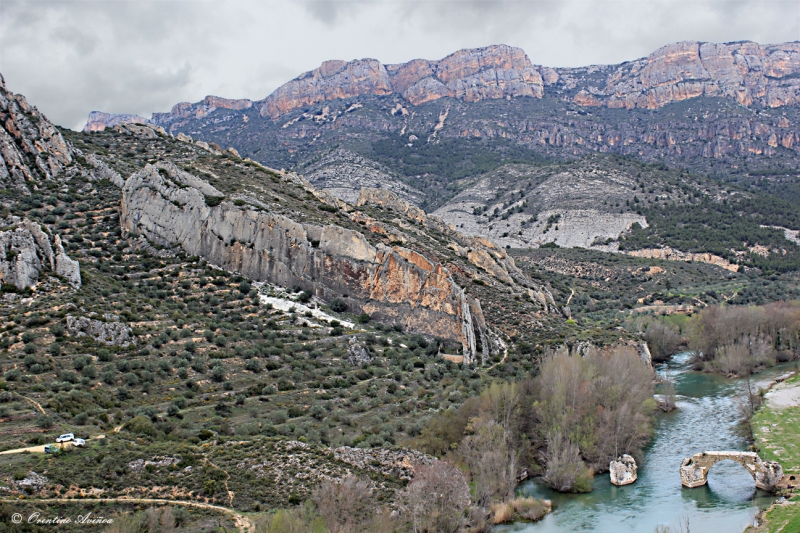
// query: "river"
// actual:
[[705, 419]]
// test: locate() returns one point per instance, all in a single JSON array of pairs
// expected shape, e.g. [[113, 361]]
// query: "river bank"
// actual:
[[776, 428], [706, 419]]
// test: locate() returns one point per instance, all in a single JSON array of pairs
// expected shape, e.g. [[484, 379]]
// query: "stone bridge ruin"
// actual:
[[694, 469]]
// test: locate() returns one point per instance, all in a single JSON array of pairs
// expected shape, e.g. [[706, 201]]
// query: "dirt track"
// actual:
[[242, 522]]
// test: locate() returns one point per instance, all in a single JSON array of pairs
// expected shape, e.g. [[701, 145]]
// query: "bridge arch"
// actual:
[[694, 470]]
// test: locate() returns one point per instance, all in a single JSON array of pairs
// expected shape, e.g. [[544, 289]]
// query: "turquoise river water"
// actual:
[[706, 419]]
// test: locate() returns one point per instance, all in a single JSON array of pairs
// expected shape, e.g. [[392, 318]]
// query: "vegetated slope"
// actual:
[[179, 353]]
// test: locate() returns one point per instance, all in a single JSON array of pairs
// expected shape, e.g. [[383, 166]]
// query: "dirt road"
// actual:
[[243, 524]]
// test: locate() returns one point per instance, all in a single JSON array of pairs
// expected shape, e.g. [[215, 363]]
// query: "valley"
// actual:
[[433, 296]]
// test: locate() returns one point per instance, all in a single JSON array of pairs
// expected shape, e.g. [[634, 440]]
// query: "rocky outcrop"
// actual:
[[180, 114], [356, 353], [472, 75], [109, 331], [392, 284], [330, 81], [104, 172], [344, 174], [30, 145], [526, 206], [747, 72], [26, 250], [623, 470], [98, 120], [481, 252], [387, 461], [186, 110], [676, 255]]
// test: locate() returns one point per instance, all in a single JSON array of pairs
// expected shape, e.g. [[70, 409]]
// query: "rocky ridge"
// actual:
[[171, 207], [30, 145], [747, 72], [344, 173]]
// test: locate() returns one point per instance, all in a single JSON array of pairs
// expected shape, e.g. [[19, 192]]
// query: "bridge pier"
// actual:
[[694, 469]]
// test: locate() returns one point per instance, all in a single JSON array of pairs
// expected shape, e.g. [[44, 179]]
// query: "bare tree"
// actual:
[[662, 340], [436, 498], [492, 463], [566, 471], [668, 390], [344, 504]]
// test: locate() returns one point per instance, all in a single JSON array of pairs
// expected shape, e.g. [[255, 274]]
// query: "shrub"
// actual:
[[44, 422], [363, 318], [141, 425], [213, 201], [338, 305]]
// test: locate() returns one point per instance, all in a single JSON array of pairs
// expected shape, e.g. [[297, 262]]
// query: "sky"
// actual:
[[71, 57]]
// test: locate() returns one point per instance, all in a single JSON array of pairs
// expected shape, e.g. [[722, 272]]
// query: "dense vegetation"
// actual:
[[730, 229]]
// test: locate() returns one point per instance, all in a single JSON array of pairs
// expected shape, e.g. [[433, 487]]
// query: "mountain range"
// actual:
[[499, 146]]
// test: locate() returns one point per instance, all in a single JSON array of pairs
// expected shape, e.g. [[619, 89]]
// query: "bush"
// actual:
[[363, 318], [44, 422], [338, 305], [213, 201], [141, 425]]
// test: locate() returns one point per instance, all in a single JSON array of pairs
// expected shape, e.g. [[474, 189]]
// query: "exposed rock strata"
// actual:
[[396, 285], [746, 72], [110, 332], [572, 208], [676, 255], [26, 250], [30, 145], [344, 174], [98, 120], [623, 470]]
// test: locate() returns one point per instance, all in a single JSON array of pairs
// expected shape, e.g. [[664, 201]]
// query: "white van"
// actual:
[[66, 437]]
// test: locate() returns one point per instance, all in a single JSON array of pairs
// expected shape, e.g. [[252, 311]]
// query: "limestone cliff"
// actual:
[[394, 284], [750, 73], [98, 120], [472, 75], [31, 147], [26, 250]]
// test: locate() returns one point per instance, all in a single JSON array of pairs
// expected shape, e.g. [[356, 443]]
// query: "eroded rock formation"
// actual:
[[395, 284], [747, 72], [109, 331], [26, 250], [30, 145], [98, 120]]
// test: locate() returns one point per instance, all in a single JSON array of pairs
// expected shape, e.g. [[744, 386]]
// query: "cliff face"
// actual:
[[394, 284], [30, 145], [26, 250], [98, 121], [747, 72], [471, 75], [186, 110]]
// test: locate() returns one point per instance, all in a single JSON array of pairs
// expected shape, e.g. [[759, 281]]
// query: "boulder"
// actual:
[[623, 470], [26, 250], [357, 354], [111, 333]]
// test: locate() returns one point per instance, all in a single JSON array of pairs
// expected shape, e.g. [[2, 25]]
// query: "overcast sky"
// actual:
[[71, 57]]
